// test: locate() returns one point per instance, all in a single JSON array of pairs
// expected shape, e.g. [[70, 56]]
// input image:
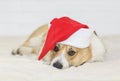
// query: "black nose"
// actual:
[[58, 65]]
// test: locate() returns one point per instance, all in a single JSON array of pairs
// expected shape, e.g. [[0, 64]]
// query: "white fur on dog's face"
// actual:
[[65, 56], [60, 61]]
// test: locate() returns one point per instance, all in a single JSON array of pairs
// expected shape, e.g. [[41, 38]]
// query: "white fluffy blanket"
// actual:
[[27, 68]]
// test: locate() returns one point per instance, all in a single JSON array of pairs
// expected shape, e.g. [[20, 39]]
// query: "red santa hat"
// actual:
[[67, 31]]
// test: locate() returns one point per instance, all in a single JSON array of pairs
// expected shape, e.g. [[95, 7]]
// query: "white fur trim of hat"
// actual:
[[79, 39]]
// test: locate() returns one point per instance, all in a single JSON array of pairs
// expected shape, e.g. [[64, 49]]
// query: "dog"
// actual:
[[62, 56]]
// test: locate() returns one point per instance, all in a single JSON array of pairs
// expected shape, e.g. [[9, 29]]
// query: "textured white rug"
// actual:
[[27, 68]]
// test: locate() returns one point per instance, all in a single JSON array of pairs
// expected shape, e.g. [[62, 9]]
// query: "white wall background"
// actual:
[[21, 17]]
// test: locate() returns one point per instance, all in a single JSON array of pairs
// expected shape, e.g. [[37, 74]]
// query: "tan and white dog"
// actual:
[[62, 56]]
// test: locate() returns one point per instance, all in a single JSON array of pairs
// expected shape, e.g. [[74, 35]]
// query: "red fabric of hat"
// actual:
[[60, 29]]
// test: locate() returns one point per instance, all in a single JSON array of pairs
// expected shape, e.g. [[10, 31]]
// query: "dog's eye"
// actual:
[[56, 48], [71, 52]]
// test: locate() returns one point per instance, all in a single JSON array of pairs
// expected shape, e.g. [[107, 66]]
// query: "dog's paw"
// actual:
[[22, 50], [16, 52]]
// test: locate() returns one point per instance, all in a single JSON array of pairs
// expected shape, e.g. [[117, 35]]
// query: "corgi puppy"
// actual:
[[62, 56]]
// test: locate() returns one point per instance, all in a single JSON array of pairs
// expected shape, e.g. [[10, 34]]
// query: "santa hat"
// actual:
[[67, 31]]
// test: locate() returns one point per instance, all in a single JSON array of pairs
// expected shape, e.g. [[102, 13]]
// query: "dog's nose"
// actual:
[[58, 65]]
